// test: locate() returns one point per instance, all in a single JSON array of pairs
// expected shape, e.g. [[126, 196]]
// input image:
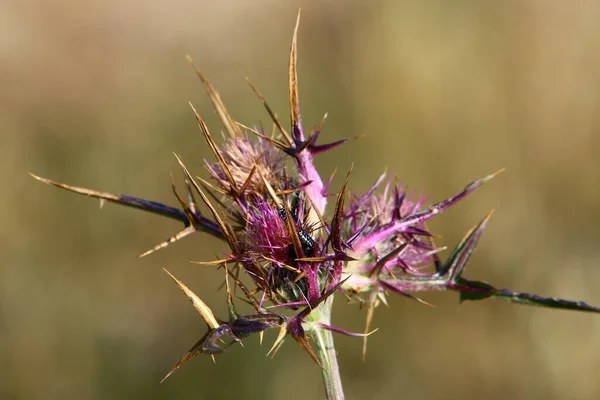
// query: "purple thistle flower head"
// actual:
[[385, 249], [269, 204], [277, 240]]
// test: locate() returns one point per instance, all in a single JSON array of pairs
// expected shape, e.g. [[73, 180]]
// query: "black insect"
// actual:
[[283, 214], [306, 241]]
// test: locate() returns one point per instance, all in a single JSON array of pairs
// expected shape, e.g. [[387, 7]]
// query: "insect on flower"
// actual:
[[306, 240]]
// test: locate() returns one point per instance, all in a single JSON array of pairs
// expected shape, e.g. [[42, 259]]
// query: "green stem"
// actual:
[[325, 349]]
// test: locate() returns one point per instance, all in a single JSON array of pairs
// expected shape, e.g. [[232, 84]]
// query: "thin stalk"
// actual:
[[325, 349]]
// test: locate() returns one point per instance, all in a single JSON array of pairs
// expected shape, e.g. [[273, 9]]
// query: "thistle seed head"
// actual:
[[251, 163]]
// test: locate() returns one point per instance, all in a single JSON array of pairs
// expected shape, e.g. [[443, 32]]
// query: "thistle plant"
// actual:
[[289, 255]]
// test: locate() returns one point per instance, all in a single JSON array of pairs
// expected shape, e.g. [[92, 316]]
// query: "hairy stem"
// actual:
[[325, 349]]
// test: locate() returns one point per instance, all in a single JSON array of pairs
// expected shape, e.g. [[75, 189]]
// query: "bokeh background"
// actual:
[[95, 94]]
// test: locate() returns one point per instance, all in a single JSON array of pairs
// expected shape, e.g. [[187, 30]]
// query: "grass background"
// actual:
[[95, 94]]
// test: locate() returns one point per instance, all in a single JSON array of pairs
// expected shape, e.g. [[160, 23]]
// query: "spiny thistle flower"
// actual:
[[272, 214]]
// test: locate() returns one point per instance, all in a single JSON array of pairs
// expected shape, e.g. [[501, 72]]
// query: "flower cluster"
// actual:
[[267, 201]]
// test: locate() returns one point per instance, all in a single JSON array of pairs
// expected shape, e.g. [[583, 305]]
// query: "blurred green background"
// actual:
[[95, 94]]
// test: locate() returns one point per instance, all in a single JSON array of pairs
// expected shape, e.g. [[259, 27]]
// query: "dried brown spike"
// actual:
[[215, 150], [303, 342], [314, 210], [336, 225], [276, 143], [186, 209], [179, 235], [213, 262], [271, 113], [193, 352], [278, 341], [225, 227], [374, 302], [248, 179], [392, 254], [79, 190], [296, 119], [246, 292], [210, 187], [226, 119], [200, 306]]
